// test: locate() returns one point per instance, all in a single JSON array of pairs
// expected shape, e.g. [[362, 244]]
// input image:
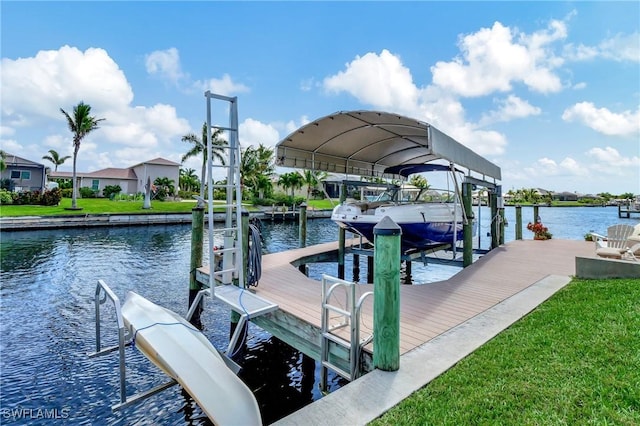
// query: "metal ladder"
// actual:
[[240, 300], [232, 253], [349, 316]]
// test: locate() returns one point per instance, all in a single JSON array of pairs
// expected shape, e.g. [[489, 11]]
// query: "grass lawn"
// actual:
[[99, 205], [104, 205], [575, 360]]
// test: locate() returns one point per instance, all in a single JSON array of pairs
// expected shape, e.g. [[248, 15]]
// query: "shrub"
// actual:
[[26, 198], [110, 191], [5, 197], [264, 201], [86, 192], [67, 192], [7, 184], [51, 197]]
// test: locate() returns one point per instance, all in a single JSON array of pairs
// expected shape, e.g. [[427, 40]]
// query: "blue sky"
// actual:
[[549, 91]]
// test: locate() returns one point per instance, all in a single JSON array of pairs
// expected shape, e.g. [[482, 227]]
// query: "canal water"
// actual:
[[47, 285]]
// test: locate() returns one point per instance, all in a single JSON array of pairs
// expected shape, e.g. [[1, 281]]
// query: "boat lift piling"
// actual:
[[341, 235], [197, 242], [386, 295]]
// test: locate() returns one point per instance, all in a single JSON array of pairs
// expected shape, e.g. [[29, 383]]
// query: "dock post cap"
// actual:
[[303, 205], [387, 226]]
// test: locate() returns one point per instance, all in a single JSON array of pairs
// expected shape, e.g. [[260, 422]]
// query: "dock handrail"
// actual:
[[123, 339], [351, 317], [102, 293]]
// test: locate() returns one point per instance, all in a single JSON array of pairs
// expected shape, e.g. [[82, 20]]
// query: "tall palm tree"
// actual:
[[80, 124], [200, 148], [256, 168], [311, 178], [55, 158], [291, 180]]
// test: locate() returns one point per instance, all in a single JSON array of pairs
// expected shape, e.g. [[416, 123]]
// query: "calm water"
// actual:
[[47, 282]]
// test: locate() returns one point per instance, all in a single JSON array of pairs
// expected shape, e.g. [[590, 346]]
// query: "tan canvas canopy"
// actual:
[[365, 143]]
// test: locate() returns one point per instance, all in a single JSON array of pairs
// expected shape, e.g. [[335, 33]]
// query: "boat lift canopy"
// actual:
[[366, 143]]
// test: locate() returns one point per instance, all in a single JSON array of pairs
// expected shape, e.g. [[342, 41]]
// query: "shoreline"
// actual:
[[90, 220]]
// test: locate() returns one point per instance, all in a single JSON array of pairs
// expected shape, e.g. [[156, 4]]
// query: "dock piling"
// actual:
[[386, 305], [197, 241], [341, 236], [518, 222], [302, 225]]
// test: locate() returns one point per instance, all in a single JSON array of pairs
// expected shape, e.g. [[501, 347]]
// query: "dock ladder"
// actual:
[[347, 312]]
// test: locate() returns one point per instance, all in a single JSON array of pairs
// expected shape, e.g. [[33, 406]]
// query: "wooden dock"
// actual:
[[427, 310]]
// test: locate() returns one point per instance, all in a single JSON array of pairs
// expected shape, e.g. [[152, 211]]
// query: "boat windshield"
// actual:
[[415, 195]]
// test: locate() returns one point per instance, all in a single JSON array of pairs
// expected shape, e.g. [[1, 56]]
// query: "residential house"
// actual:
[[25, 175], [132, 180]]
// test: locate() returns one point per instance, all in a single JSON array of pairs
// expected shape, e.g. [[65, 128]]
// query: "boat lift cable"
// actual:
[[254, 259]]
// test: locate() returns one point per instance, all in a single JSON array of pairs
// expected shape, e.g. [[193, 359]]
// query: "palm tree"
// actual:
[[419, 181], [291, 180], [81, 124], [55, 158], [256, 168], [188, 180], [200, 147], [311, 178]]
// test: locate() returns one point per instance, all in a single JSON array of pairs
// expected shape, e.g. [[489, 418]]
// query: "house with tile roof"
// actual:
[[132, 180], [25, 175]]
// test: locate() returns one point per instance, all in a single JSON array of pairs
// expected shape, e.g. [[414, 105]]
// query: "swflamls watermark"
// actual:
[[21, 413]]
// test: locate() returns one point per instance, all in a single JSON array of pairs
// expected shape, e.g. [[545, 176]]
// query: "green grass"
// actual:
[[97, 206], [575, 360], [323, 204]]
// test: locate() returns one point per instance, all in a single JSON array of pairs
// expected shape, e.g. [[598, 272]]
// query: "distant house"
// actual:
[[132, 180], [25, 175], [565, 196]]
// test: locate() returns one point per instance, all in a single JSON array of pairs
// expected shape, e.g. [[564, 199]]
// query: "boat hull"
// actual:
[[422, 225], [186, 355]]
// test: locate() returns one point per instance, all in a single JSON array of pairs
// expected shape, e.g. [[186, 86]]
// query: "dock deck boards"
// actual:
[[428, 310]]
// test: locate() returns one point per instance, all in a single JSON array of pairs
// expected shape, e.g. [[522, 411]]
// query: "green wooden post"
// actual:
[[302, 225], [197, 230], [341, 236], [493, 201], [386, 294], [518, 222], [467, 228], [536, 213]]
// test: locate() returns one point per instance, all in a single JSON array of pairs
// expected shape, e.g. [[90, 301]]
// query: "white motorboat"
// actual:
[[427, 217]]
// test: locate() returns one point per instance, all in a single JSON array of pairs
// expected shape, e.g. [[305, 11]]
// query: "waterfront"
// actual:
[[47, 284]]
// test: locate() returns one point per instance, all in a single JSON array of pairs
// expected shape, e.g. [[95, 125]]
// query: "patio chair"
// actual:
[[632, 253], [615, 244]]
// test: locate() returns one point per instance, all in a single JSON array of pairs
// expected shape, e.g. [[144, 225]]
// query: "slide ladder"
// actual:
[[347, 312], [240, 300]]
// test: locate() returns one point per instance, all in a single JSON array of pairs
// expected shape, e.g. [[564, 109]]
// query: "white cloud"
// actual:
[[609, 160], [580, 86], [619, 48], [379, 80], [37, 87], [253, 133], [547, 167], [622, 47], [221, 86], [6, 131], [165, 63], [494, 58], [509, 108], [604, 121]]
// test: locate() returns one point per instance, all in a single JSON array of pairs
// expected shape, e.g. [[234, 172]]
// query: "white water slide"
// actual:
[[186, 355]]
